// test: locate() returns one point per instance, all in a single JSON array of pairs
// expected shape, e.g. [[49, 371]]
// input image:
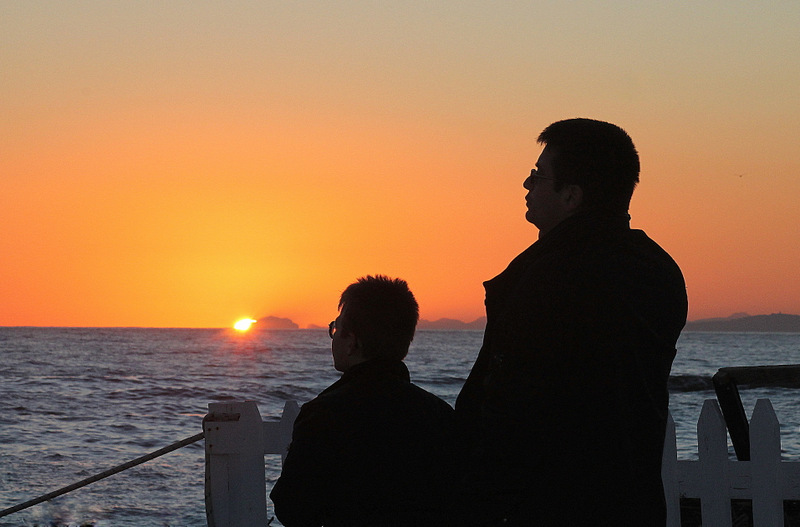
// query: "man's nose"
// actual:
[[528, 183]]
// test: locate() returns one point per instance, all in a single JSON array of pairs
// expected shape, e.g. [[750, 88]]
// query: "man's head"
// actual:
[[377, 319], [586, 164]]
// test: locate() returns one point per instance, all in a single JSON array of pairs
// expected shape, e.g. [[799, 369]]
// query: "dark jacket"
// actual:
[[567, 402], [372, 449]]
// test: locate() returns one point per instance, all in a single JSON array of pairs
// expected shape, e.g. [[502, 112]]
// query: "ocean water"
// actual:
[[75, 402]]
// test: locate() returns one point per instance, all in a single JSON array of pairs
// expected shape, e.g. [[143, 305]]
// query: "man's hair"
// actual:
[[597, 156], [382, 313]]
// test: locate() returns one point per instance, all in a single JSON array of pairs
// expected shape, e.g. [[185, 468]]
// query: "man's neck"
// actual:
[[595, 217]]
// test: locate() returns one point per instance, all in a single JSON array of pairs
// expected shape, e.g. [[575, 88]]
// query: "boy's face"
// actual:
[[341, 344]]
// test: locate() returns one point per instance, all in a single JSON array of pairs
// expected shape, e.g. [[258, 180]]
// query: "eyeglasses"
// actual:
[[332, 329], [535, 175]]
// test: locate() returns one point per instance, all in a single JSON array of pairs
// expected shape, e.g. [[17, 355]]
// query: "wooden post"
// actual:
[[236, 494], [785, 375], [669, 475], [765, 441], [736, 420], [278, 435], [712, 446]]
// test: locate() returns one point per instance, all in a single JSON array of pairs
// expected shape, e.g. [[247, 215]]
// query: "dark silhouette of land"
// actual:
[[450, 323], [738, 322], [742, 322], [271, 322]]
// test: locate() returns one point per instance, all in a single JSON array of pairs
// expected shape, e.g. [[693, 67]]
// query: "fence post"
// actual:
[[732, 410], [236, 494], [669, 475], [278, 434], [765, 455], [712, 446]]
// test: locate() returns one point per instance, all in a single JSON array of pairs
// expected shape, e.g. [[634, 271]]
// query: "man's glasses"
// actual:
[[535, 175], [332, 329]]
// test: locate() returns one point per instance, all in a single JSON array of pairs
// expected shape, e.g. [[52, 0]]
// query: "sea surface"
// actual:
[[75, 402]]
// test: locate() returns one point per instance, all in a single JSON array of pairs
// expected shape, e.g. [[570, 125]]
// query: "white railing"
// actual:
[[236, 442], [237, 439], [715, 479]]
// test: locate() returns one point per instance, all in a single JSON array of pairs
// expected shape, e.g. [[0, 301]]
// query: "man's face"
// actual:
[[546, 206], [340, 344]]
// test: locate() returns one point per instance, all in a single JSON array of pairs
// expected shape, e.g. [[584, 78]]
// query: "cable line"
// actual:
[[97, 477]]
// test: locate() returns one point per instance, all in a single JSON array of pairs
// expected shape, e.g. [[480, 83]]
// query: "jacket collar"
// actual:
[[378, 368], [574, 231], [590, 220]]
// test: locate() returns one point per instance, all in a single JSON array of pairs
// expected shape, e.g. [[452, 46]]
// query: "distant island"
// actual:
[[451, 323], [276, 323], [273, 322], [738, 322], [744, 323]]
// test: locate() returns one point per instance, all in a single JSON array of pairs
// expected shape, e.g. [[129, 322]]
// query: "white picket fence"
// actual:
[[715, 479], [237, 439]]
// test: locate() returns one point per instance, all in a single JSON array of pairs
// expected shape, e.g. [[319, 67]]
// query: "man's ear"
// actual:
[[353, 344], [572, 196]]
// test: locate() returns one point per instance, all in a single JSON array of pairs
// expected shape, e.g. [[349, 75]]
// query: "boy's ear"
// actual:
[[572, 196], [353, 344]]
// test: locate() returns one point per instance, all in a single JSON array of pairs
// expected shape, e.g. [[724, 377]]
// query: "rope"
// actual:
[[110, 472]]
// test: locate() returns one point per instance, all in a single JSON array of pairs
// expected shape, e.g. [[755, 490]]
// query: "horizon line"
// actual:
[[312, 326]]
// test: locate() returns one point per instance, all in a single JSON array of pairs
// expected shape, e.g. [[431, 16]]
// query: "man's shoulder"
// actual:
[[426, 405], [631, 247], [431, 398], [635, 269], [639, 250], [631, 265]]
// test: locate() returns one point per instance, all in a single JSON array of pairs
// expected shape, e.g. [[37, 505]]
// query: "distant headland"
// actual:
[[276, 323], [738, 322], [273, 322], [451, 323], [742, 322]]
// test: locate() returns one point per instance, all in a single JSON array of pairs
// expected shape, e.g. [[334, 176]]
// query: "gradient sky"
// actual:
[[187, 163]]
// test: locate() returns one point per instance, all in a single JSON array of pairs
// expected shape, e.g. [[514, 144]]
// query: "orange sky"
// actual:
[[190, 164]]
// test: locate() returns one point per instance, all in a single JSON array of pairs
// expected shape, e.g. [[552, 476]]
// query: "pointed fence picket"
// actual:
[[716, 479], [237, 440]]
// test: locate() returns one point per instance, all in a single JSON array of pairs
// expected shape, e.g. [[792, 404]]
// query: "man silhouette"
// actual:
[[566, 405], [373, 448]]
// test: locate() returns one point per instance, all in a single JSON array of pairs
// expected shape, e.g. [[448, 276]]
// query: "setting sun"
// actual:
[[244, 324]]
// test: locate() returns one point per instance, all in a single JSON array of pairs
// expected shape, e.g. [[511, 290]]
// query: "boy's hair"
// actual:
[[382, 313]]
